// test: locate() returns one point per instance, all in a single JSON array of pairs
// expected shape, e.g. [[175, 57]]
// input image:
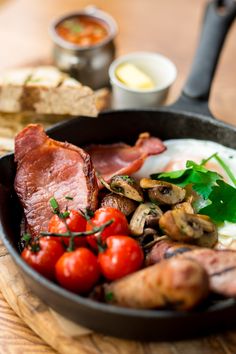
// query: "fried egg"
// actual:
[[174, 158]]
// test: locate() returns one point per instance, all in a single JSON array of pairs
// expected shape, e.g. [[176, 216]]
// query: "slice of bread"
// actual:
[[45, 90]]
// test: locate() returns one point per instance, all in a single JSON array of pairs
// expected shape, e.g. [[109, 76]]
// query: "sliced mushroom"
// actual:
[[208, 239], [125, 205], [126, 186], [163, 192], [141, 215], [192, 228], [185, 206]]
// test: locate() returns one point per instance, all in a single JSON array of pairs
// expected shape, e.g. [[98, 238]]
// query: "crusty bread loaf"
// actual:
[[45, 90]]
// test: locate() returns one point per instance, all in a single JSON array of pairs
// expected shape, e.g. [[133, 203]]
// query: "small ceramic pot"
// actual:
[[88, 64]]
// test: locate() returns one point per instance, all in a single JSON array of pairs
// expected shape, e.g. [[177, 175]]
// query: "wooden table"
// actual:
[[170, 27]]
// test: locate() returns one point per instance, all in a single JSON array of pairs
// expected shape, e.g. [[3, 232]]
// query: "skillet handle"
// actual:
[[217, 20]]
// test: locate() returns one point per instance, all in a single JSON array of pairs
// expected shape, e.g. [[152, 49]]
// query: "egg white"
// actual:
[[174, 158]]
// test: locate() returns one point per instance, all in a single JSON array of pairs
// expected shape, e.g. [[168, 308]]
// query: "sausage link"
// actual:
[[178, 283]]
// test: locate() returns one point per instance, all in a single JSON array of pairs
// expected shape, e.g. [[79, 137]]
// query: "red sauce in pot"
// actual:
[[82, 30]]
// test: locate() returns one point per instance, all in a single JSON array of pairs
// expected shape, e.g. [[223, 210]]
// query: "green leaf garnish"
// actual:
[[127, 178], [54, 205], [217, 199], [26, 238], [109, 296], [73, 26], [222, 205], [64, 215], [68, 197], [226, 168], [169, 175], [201, 179]]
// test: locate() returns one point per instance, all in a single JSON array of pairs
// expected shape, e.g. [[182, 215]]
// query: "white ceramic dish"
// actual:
[[158, 67]]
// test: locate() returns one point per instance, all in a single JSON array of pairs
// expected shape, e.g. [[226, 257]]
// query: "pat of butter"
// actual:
[[133, 77]]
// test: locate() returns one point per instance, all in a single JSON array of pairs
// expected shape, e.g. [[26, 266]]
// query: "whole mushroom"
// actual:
[[125, 205]]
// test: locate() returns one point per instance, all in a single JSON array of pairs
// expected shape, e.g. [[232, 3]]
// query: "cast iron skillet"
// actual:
[[189, 117]]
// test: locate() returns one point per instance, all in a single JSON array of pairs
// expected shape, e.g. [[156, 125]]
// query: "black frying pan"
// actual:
[[189, 117]]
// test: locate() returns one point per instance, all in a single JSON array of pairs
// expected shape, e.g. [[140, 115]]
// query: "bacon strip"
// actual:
[[120, 158], [47, 168]]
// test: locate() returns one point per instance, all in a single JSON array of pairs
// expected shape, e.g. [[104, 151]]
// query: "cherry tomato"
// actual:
[[122, 256], [75, 222], [43, 256], [78, 271], [118, 227]]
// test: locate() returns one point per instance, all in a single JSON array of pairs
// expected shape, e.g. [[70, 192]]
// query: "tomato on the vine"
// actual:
[[122, 256], [119, 225], [78, 271], [42, 255], [75, 222]]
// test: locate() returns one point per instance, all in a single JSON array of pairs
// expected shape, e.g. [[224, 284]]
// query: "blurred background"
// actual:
[[170, 27]]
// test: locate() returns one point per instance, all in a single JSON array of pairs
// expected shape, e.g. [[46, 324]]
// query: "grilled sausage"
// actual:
[[219, 265], [166, 249], [177, 283]]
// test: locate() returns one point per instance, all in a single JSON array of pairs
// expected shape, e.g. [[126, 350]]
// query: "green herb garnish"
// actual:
[[64, 215], [222, 164], [68, 197], [201, 179], [54, 205], [226, 168], [109, 296], [127, 178], [217, 199], [222, 205], [73, 26], [26, 238]]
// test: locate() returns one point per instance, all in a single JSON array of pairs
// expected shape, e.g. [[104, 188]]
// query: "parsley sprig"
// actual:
[[222, 206], [201, 179], [217, 198]]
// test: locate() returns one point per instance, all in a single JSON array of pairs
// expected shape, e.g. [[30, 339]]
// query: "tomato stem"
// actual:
[[71, 244], [101, 246], [78, 234]]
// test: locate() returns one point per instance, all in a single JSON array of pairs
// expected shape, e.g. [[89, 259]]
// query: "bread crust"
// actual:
[[45, 90]]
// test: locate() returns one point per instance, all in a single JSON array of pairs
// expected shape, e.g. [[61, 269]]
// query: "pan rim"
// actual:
[[171, 109]]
